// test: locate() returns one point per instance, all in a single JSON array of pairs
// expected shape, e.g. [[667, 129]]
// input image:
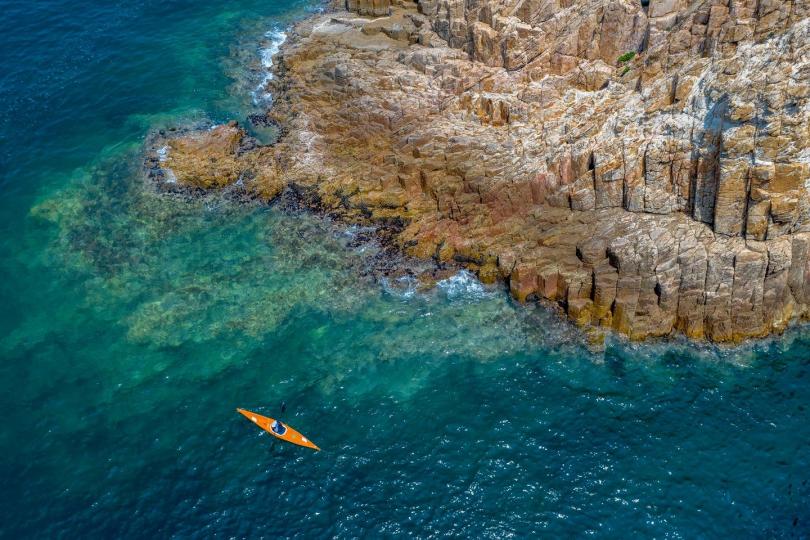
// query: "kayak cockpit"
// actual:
[[278, 428]]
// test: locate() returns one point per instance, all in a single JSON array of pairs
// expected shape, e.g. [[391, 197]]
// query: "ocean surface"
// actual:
[[133, 324]]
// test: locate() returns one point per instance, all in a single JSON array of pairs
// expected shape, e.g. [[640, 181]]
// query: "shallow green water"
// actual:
[[134, 323]]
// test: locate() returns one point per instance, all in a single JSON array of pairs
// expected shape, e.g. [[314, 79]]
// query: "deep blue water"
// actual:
[[133, 324]]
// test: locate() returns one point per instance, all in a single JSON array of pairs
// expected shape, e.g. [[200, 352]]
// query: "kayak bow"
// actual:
[[290, 435]]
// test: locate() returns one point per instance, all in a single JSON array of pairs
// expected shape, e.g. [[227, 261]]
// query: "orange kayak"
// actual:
[[290, 435]]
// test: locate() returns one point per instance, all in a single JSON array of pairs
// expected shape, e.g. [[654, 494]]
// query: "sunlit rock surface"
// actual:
[[215, 157]]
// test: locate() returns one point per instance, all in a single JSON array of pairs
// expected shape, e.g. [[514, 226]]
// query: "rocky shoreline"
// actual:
[[647, 168], [189, 151]]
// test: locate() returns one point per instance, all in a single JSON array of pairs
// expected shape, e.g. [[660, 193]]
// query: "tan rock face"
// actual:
[[206, 159], [216, 158], [651, 193], [369, 7]]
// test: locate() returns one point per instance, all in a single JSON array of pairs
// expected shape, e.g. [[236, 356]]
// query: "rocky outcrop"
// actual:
[[216, 157], [646, 167]]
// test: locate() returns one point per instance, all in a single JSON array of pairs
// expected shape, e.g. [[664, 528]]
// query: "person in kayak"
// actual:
[[278, 428]]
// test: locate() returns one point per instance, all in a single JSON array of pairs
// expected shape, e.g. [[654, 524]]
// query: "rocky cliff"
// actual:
[[646, 166]]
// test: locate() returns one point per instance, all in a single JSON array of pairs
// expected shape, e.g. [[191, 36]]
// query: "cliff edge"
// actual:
[[646, 166]]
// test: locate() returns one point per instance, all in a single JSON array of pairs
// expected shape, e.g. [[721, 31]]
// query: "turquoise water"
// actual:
[[134, 323]]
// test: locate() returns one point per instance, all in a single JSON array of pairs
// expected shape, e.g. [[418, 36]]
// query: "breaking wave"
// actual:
[[402, 286], [464, 284], [275, 38]]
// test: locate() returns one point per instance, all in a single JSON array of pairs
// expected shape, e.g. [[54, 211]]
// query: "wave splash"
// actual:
[[402, 286], [275, 39], [463, 284]]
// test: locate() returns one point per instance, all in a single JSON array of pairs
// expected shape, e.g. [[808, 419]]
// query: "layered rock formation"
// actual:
[[369, 7], [646, 167]]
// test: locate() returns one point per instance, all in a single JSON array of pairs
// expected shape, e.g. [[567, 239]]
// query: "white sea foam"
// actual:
[[403, 286], [260, 94], [463, 284], [352, 231], [170, 176], [163, 153]]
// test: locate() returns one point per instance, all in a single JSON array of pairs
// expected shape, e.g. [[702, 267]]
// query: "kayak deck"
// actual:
[[290, 435]]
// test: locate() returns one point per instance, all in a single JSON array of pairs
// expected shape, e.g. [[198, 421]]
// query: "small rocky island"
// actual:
[[644, 165]]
